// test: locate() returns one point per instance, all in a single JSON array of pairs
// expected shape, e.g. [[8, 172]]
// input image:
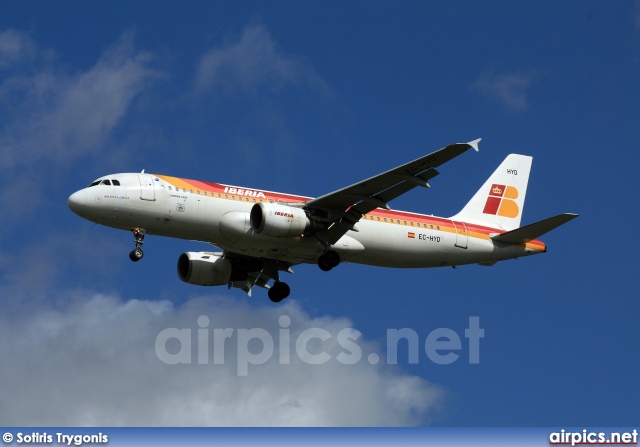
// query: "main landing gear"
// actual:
[[137, 253], [279, 291], [328, 260]]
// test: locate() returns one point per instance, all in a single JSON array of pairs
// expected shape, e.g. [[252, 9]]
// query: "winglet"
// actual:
[[474, 144]]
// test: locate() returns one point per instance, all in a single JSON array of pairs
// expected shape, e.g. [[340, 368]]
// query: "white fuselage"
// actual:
[[179, 208]]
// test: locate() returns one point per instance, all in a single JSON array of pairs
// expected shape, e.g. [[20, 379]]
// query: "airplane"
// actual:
[[263, 233]]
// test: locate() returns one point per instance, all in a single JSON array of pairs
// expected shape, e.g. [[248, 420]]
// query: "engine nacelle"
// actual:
[[273, 219], [204, 269]]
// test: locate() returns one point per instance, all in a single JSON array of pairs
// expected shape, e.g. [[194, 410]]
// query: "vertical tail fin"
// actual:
[[500, 201]]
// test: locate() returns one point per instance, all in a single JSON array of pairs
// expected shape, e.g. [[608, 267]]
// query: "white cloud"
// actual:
[[15, 48], [95, 363], [59, 116], [508, 88], [252, 60]]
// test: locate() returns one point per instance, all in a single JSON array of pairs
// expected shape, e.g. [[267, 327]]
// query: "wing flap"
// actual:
[[259, 271]]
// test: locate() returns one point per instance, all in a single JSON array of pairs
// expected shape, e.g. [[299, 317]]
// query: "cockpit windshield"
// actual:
[[107, 182]]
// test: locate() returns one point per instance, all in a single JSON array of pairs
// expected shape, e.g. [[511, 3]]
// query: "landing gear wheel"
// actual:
[[323, 264], [328, 260], [136, 255], [279, 291]]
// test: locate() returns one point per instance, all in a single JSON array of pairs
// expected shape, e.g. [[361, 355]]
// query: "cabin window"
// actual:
[[378, 219], [191, 191], [405, 222], [184, 189], [438, 227], [411, 223], [198, 191], [431, 226], [385, 219]]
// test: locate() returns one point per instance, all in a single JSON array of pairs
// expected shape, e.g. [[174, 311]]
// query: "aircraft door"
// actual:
[[461, 234], [146, 187]]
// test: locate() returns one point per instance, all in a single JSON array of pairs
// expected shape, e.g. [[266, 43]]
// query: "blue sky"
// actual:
[[305, 98]]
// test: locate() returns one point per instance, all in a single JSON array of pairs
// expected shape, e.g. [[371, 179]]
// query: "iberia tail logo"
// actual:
[[501, 201]]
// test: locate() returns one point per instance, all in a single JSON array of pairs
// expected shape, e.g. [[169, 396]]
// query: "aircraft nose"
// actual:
[[77, 201]]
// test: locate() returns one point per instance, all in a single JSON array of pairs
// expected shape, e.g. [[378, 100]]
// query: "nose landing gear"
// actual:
[[137, 253]]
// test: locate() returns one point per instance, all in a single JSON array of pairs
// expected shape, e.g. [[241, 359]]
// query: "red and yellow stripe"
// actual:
[[414, 220]]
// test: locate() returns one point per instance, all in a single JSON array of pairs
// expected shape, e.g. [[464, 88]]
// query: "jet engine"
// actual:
[[204, 269], [273, 219]]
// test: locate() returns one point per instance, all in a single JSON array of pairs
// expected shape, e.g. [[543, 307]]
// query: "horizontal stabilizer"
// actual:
[[530, 232]]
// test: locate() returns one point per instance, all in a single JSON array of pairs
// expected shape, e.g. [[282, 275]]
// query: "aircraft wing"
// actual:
[[343, 208]]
